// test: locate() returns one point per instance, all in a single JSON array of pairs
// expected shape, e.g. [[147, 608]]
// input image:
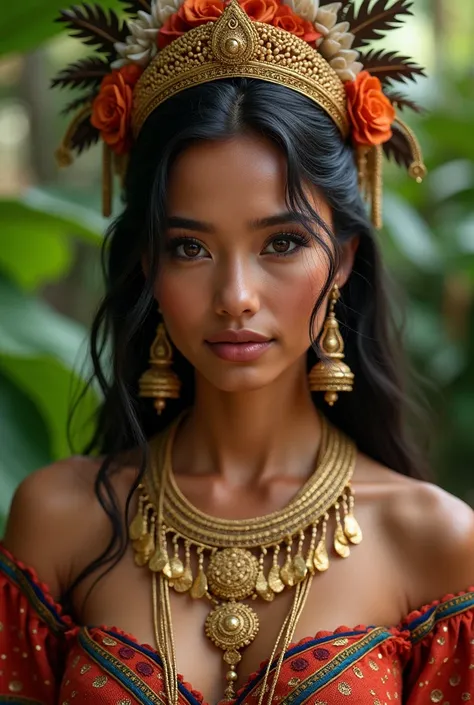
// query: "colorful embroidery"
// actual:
[[33, 594], [421, 626]]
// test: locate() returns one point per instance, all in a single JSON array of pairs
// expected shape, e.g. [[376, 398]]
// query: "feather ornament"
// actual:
[[94, 27], [389, 66], [81, 74], [373, 22]]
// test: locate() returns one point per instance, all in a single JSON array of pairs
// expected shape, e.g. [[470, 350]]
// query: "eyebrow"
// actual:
[[202, 227]]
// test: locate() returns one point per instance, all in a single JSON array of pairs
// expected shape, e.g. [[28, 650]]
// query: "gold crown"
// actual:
[[135, 74], [235, 46]]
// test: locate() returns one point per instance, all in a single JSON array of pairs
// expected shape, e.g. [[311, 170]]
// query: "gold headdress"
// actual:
[[310, 46]]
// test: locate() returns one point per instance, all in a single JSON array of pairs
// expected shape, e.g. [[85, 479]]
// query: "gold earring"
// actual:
[[160, 382], [331, 376]]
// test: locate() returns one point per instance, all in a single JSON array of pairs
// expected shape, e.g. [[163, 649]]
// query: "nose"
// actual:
[[236, 288]]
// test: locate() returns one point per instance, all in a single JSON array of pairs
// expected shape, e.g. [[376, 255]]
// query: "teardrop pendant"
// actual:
[[321, 558], [137, 527]]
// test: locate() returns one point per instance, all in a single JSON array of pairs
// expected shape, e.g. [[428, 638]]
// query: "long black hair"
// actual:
[[378, 413]]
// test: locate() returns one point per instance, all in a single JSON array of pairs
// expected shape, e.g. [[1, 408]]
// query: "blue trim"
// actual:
[[22, 580], [443, 611], [292, 652], [318, 682], [146, 652]]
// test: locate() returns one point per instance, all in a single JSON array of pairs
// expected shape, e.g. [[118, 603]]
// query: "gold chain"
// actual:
[[232, 555]]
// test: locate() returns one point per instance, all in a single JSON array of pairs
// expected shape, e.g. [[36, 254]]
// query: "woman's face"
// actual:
[[237, 260]]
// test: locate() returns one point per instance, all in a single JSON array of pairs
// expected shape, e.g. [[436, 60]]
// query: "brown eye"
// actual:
[[281, 245], [191, 249]]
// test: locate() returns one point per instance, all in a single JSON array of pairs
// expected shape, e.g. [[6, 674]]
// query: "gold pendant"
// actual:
[[137, 527], [300, 569], [287, 573], [341, 544], [321, 558], [231, 626], [158, 561], [185, 582], [263, 589], [232, 573], [274, 581], [352, 529], [199, 587]]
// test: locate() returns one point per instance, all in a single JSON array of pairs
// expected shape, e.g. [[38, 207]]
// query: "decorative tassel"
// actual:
[[351, 526], [185, 582], [417, 169], [369, 162], [341, 544], [262, 587], [274, 580], [199, 587], [375, 168], [287, 573], [321, 558], [63, 154], [300, 569]]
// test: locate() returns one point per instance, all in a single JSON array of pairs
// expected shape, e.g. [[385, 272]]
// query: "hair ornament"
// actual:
[[314, 47]]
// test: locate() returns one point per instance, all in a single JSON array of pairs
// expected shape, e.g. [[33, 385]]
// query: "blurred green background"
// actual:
[[51, 231]]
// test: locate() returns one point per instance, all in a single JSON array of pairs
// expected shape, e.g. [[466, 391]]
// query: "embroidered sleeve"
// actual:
[[31, 636], [441, 667]]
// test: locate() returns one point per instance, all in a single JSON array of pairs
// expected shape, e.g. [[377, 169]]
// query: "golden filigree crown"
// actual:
[[313, 47], [234, 46]]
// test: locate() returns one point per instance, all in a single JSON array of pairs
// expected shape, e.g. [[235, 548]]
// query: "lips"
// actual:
[[238, 336], [239, 345]]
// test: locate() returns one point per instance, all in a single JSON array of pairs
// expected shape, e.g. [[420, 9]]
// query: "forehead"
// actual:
[[232, 181]]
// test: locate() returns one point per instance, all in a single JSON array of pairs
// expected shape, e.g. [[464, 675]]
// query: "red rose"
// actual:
[[260, 10], [111, 109], [192, 13], [370, 111], [286, 19]]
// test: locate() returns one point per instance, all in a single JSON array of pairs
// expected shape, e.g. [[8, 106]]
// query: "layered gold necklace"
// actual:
[[228, 561]]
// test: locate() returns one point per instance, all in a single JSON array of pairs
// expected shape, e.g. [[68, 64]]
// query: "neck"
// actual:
[[250, 436]]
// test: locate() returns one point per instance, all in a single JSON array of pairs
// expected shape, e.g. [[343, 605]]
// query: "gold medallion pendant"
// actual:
[[229, 561]]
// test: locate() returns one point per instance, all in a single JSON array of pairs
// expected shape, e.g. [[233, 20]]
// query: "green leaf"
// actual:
[[33, 248], [35, 238], [82, 221], [24, 440], [39, 349], [411, 233], [26, 24]]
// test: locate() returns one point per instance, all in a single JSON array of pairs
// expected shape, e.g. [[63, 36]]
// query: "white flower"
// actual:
[[164, 9], [326, 17], [307, 9], [336, 41], [140, 45], [346, 66]]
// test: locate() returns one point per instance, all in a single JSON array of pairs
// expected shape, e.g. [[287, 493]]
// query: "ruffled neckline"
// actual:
[[400, 634]]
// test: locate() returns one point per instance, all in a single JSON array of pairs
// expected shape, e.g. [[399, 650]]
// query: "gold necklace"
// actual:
[[231, 554]]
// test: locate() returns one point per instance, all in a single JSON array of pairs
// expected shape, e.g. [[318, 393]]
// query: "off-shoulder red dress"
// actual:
[[46, 659]]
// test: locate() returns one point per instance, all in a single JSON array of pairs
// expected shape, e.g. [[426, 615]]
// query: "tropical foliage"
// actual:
[[49, 245]]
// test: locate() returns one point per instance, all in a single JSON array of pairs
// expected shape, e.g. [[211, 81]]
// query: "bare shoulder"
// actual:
[[430, 531], [56, 523]]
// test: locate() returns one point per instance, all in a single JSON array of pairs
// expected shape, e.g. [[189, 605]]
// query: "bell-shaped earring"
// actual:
[[332, 375], [160, 382]]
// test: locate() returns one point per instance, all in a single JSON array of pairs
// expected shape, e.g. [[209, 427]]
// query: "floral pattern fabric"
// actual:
[[45, 659]]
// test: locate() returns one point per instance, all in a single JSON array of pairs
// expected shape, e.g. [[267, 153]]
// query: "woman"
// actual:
[[244, 240]]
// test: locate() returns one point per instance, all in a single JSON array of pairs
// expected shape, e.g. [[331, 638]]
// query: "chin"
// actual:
[[240, 379]]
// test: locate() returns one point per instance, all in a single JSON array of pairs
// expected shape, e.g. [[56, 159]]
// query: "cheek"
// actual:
[[182, 301], [297, 294]]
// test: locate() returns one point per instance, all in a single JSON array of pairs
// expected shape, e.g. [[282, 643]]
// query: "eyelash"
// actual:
[[296, 237]]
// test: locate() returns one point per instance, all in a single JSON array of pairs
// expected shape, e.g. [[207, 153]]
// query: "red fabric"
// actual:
[[47, 659]]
